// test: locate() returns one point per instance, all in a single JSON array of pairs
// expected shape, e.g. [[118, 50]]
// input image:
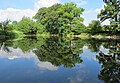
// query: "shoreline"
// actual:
[[83, 36]]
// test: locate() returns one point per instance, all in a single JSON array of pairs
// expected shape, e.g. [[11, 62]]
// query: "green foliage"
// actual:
[[15, 25], [0, 25], [60, 51], [77, 27], [65, 19], [29, 43], [111, 11], [61, 19], [6, 29], [110, 71], [94, 27], [10, 27], [57, 19], [4, 25], [56, 50], [28, 26]]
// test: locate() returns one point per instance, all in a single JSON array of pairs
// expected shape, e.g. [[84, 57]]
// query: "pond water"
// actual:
[[59, 60]]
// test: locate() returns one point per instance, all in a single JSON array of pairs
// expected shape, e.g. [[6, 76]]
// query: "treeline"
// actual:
[[57, 19], [24, 27], [64, 19]]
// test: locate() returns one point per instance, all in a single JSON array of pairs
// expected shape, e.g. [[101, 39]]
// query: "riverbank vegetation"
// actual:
[[64, 19]]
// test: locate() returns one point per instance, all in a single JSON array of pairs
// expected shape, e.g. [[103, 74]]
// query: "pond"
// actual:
[[59, 60]]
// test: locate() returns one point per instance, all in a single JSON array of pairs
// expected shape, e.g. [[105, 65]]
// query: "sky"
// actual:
[[16, 9]]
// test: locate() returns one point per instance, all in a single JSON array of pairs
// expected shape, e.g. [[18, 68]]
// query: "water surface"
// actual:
[[59, 60]]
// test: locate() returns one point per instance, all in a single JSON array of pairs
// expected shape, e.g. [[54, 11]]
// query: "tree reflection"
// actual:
[[110, 72], [4, 45], [29, 43], [60, 51], [56, 50], [94, 44]]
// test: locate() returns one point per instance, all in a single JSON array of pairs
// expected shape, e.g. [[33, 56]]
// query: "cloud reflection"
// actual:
[[18, 53]]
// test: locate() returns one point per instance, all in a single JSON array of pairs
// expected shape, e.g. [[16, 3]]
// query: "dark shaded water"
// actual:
[[59, 60]]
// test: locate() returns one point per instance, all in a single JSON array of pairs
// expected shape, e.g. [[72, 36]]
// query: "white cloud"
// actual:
[[46, 65], [45, 3], [17, 14], [15, 53], [80, 2], [18, 54], [90, 15]]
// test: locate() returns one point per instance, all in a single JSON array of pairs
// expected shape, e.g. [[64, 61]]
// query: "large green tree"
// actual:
[[60, 19]]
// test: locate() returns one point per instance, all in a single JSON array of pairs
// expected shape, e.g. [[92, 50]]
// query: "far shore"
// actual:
[[82, 36]]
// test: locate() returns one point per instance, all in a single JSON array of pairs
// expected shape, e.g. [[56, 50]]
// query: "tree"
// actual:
[[59, 19], [111, 11], [77, 27], [48, 17], [94, 27], [28, 26]]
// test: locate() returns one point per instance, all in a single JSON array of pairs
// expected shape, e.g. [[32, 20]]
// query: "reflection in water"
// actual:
[[66, 59], [110, 72], [59, 52], [3, 47], [29, 43]]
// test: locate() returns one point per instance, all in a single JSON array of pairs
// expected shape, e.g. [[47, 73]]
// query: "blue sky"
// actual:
[[90, 4], [20, 4], [23, 4], [92, 7]]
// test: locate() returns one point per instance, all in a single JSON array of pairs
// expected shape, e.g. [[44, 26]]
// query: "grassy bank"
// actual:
[[17, 35]]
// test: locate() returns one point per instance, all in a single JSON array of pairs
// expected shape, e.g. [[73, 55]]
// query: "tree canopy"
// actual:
[[61, 19], [111, 11], [94, 27], [28, 26]]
